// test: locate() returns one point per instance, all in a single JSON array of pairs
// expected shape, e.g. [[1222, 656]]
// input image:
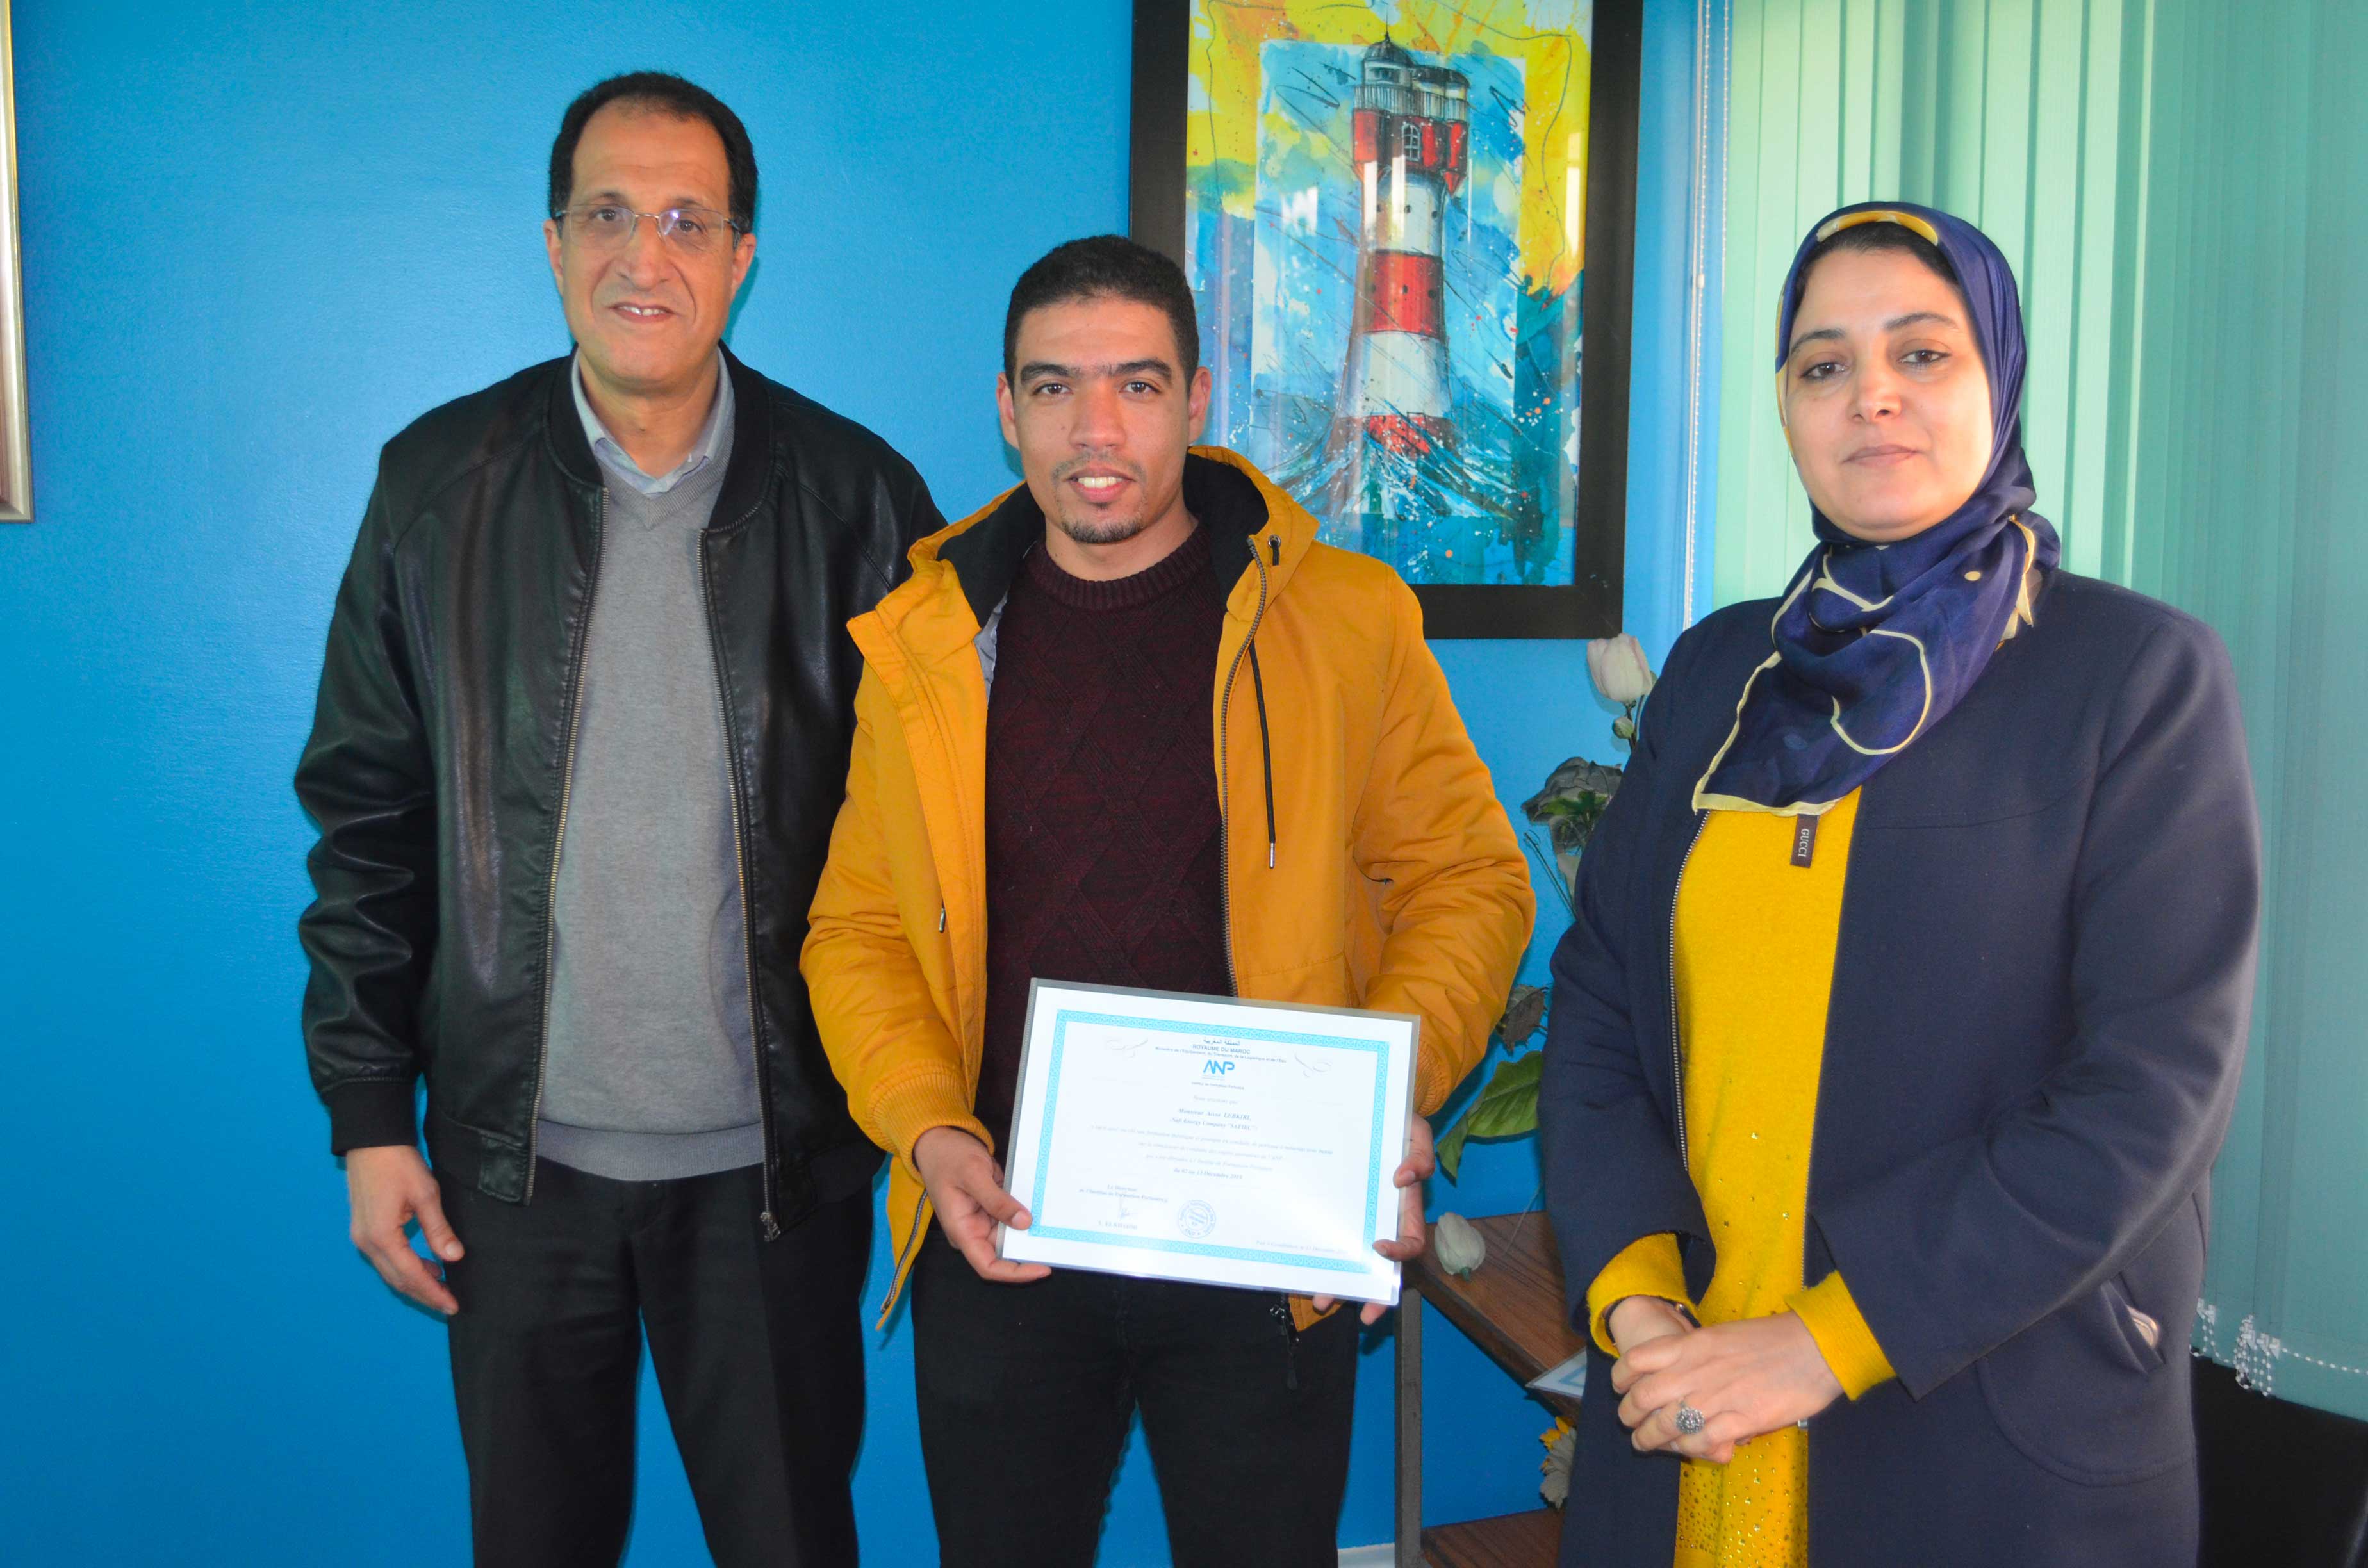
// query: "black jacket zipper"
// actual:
[[559, 830], [767, 1221]]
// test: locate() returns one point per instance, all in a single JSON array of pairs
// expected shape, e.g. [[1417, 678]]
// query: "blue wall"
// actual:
[[258, 238]]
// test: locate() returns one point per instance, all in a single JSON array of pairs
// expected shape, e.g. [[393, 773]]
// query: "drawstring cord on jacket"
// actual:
[[1257, 685], [1266, 750]]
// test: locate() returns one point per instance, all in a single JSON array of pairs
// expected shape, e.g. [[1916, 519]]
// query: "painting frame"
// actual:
[[1589, 605], [16, 414]]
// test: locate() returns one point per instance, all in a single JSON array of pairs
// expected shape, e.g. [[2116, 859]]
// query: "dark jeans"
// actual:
[[757, 1345], [1026, 1392]]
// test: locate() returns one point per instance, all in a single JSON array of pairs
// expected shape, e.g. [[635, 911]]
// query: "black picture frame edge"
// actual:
[[1155, 127], [1590, 607]]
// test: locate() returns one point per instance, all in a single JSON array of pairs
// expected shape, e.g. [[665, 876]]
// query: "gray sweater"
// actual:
[[652, 1071]]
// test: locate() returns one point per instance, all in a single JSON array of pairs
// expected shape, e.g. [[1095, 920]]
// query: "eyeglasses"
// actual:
[[604, 225]]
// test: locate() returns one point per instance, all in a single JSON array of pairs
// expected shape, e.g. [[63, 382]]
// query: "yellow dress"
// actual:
[[1755, 938]]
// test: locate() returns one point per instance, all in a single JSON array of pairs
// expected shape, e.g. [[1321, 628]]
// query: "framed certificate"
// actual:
[[1202, 1139]]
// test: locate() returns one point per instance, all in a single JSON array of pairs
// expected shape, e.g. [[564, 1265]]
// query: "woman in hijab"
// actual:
[[1903, 1013]]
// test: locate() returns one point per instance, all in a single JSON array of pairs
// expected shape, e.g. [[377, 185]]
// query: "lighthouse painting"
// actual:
[[1392, 471], [1411, 144], [1385, 228]]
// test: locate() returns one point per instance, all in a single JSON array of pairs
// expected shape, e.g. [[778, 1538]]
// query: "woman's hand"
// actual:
[[1749, 1378], [1636, 1320]]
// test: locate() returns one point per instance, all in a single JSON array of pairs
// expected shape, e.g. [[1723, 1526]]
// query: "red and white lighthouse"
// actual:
[[1412, 132]]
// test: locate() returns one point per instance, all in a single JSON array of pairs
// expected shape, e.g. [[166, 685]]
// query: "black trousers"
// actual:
[[1026, 1392], [757, 1347]]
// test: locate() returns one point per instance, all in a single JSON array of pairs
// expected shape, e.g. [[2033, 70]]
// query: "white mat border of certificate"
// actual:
[[1389, 1035]]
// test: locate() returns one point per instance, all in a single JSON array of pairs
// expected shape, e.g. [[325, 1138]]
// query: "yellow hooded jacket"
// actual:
[[1380, 873]]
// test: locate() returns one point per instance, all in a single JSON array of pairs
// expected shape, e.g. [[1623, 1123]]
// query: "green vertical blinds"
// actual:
[[2182, 186]]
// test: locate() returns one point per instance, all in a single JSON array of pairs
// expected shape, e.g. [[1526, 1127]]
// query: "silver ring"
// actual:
[[1690, 1420]]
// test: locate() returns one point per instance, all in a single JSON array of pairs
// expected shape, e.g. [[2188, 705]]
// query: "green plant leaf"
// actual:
[[1507, 1107], [1449, 1149], [1574, 779]]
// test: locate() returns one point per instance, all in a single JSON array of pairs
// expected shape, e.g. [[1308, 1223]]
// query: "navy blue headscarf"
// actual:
[[1873, 644]]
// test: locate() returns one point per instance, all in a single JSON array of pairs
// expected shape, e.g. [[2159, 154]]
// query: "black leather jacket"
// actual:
[[439, 758]]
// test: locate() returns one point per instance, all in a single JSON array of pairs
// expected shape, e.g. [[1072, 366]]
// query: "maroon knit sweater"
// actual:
[[1102, 834]]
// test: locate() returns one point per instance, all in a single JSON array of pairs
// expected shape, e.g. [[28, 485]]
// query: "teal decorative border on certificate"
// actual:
[[1061, 1022]]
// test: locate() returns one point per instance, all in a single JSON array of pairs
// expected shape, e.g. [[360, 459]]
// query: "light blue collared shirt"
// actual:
[[613, 456]]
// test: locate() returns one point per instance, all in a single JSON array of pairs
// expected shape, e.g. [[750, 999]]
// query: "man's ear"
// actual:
[[1196, 404], [1006, 413], [550, 243], [744, 257]]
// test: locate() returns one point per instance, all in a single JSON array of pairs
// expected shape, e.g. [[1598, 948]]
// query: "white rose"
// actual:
[[1617, 667], [1459, 1248]]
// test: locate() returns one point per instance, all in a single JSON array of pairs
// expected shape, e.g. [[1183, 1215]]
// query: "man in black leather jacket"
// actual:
[[564, 861]]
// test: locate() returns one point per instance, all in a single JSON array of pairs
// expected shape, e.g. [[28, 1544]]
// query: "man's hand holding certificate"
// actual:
[[1203, 1139], [1414, 1233]]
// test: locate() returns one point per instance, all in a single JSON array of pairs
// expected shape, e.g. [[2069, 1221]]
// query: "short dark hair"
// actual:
[[659, 92], [1880, 235], [1105, 267]]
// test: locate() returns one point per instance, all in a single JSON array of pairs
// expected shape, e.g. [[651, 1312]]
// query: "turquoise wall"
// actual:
[[258, 238], [2182, 186]]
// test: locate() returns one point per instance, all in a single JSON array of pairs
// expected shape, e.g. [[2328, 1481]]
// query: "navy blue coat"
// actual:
[[2040, 998]]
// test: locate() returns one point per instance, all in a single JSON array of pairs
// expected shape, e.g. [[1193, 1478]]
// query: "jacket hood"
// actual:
[[981, 555]]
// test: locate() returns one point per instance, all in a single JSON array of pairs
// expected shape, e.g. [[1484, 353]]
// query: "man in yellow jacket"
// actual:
[[1329, 838]]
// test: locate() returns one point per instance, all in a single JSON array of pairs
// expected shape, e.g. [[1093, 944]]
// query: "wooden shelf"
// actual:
[[1513, 1308], [1509, 1541]]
